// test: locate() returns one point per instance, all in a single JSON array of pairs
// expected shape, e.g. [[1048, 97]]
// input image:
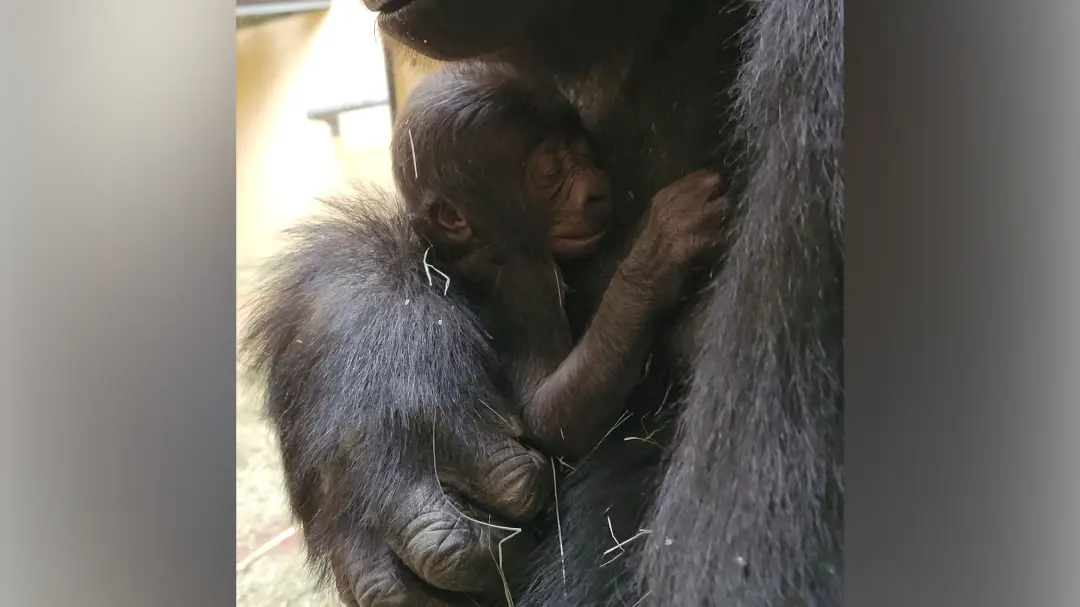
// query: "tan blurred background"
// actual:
[[292, 58]]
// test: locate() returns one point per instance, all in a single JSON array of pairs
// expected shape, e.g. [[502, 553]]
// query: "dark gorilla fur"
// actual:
[[757, 469], [347, 324], [744, 502]]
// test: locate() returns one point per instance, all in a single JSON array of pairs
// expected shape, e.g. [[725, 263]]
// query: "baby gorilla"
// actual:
[[499, 177]]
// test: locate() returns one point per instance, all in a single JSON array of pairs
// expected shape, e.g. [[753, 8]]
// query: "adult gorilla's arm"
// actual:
[[374, 381], [765, 408]]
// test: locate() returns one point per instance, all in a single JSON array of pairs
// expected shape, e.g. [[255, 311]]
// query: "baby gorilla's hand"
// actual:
[[685, 224], [686, 217]]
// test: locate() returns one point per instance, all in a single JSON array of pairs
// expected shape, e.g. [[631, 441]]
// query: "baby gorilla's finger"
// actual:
[[374, 578], [443, 545], [501, 476], [705, 182], [717, 211]]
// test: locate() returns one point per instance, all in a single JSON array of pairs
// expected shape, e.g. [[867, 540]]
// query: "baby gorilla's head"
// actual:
[[486, 159]]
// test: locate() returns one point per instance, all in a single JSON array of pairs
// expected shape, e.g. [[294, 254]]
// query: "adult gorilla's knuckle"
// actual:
[[381, 587], [519, 480], [514, 466], [449, 552]]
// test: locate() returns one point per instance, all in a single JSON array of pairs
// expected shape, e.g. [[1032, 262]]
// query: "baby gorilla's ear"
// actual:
[[448, 220]]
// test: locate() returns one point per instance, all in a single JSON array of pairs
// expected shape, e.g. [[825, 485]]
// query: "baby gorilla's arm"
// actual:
[[569, 408]]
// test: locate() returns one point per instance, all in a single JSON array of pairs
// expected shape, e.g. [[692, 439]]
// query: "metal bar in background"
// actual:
[[331, 115], [260, 8]]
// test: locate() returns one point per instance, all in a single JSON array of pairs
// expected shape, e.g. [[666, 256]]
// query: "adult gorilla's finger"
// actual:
[[374, 578], [501, 476], [444, 546]]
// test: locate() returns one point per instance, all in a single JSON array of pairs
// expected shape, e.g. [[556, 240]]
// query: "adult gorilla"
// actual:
[[742, 504]]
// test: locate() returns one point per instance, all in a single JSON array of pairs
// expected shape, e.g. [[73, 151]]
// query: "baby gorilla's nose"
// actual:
[[597, 209], [581, 221], [595, 202]]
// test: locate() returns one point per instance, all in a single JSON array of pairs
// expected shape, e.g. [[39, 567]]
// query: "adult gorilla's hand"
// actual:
[[440, 536]]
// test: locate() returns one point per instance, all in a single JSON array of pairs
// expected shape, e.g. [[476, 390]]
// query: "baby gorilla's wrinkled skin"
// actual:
[[548, 203]]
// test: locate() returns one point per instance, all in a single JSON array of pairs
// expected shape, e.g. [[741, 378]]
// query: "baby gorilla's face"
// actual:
[[560, 175]]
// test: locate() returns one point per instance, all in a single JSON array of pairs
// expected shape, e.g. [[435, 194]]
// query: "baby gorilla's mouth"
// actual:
[[570, 246], [581, 238]]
